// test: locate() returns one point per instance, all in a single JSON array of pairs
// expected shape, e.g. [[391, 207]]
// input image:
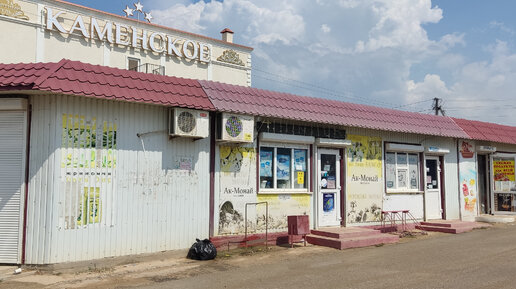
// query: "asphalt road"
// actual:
[[479, 259]]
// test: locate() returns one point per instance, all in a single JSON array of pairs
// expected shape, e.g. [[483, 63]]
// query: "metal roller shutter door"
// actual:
[[12, 151]]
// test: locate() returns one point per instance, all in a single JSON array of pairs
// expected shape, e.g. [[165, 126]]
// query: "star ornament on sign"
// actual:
[[138, 7], [128, 11], [148, 17]]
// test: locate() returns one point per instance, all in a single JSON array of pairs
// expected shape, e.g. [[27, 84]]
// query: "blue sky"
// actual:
[[390, 53]]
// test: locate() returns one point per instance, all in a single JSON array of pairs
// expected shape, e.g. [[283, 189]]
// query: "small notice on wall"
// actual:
[[328, 203], [300, 178], [184, 163]]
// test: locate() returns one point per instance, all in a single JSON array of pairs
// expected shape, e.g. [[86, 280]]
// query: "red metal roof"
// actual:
[[77, 78], [21, 75], [487, 131], [247, 100]]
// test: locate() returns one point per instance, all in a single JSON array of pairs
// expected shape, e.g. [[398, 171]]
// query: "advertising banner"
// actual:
[[364, 180], [468, 180], [237, 187], [503, 174]]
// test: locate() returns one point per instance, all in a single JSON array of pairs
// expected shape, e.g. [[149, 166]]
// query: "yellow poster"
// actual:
[[300, 178], [91, 207], [503, 170], [364, 186]]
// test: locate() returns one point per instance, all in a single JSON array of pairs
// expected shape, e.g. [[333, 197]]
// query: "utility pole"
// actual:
[[437, 106]]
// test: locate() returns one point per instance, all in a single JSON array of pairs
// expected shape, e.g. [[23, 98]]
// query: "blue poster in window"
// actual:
[[328, 202], [300, 160], [265, 164], [283, 168]]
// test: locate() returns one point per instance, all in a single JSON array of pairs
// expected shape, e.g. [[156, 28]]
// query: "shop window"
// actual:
[[504, 184], [283, 168], [402, 171]]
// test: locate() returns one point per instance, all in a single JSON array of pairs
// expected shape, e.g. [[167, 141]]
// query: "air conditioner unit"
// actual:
[[188, 123], [235, 128]]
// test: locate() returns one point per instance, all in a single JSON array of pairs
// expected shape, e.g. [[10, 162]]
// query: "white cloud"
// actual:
[[432, 86], [180, 16], [502, 27], [325, 28], [280, 23], [482, 90], [400, 24], [349, 3], [451, 40], [368, 51]]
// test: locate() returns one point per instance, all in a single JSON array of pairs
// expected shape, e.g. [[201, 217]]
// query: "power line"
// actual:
[[318, 88], [314, 87], [424, 110], [409, 104], [477, 100], [481, 107]]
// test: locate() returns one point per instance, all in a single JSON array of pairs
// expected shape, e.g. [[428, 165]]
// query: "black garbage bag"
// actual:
[[202, 250]]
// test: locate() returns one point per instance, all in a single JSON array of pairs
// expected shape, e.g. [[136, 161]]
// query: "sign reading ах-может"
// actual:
[[125, 35]]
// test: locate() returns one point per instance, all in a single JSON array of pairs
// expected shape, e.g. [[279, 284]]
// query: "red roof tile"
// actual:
[[77, 78], [487, 131], [246, 100], [21, 75]]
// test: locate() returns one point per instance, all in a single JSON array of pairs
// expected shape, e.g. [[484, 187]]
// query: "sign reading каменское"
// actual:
[[124, 35]]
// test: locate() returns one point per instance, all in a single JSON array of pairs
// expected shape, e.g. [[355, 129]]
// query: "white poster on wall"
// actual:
[[237, 188]]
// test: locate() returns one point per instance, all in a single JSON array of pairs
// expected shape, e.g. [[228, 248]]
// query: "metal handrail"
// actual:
[[414, 220], [393, 216]]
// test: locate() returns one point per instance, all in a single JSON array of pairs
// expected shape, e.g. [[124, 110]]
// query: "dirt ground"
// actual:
[[162, 271]]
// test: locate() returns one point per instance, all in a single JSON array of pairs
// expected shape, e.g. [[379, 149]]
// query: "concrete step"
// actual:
[[448, 224], [452, 227], [456, 229], [495, 219], [443, 229], [340, 233], [354, 242], [388, 229]]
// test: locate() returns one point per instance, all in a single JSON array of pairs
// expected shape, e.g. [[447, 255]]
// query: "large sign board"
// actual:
[[125, 35]]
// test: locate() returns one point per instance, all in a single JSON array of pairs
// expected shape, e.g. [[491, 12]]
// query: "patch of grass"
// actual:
[[254, 250], [161, 279], [96, 269]]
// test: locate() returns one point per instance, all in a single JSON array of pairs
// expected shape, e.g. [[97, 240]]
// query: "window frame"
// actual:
[[510, 194], [129, 59], [292, 189], [406, 168]]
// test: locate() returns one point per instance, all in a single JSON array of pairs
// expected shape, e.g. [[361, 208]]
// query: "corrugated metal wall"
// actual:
[[414, 202], [97, 189]]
